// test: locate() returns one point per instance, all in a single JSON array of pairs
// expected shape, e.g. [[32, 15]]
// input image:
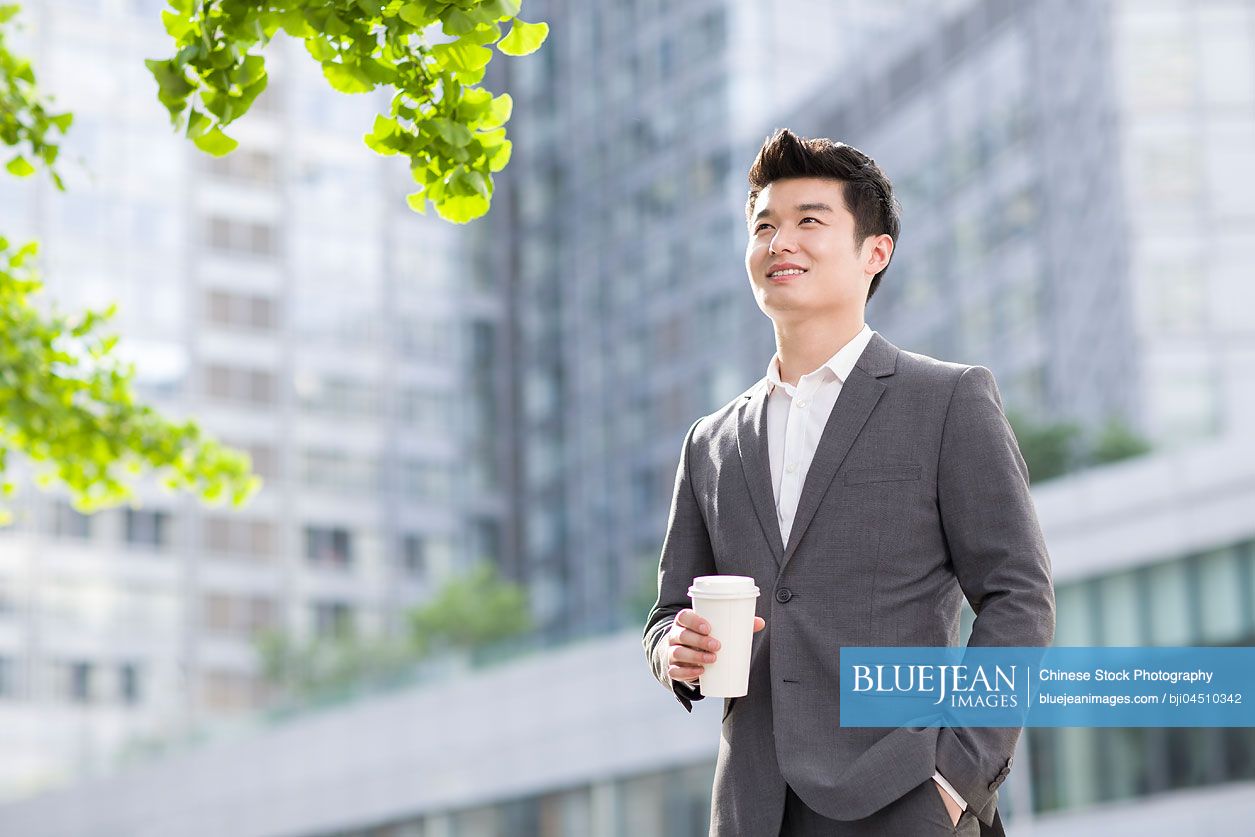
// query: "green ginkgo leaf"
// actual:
[[524, 38], [498, 112], [20, 167], [215, 142], [347, 79], [461, 56], [462, 208]]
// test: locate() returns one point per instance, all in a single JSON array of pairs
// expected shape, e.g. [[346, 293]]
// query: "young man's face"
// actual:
[[803, 223]]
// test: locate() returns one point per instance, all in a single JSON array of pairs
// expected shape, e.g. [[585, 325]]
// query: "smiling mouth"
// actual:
[[781, 275]]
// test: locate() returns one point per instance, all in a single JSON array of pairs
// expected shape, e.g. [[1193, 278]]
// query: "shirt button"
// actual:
[[791, 467], [801, 405]]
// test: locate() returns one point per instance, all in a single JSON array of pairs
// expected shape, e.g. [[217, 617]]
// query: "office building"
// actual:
[[633, 127], [286, 298]]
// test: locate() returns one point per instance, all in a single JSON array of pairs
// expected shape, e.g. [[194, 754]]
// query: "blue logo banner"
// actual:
[[1047, 687]]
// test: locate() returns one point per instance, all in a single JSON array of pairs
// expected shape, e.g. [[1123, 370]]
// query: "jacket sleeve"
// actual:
[[1000, 559], [686, 554]]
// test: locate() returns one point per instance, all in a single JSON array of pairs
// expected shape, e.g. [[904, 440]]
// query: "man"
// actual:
[[867, 490]]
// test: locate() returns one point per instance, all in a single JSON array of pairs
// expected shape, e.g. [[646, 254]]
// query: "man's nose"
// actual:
[[781, 242]]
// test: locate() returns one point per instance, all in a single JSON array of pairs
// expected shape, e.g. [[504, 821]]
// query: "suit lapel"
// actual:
[[752, 445], [859, 396]]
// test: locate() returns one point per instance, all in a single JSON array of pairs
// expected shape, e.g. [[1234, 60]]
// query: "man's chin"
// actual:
[[798, 312]]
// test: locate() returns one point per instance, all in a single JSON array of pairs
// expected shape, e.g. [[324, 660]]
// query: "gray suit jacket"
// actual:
[[917, 497]]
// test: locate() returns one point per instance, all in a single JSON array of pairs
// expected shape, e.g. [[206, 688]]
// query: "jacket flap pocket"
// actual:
[[888, 473]]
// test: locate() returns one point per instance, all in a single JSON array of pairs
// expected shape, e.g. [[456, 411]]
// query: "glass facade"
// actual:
[[1023, 249], [668, 803], [1202, 599], [631, 314]]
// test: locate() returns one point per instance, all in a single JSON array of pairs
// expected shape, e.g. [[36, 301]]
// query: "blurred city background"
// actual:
[[447, 412]]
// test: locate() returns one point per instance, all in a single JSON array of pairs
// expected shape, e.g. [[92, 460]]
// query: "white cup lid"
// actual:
[[723, 587]]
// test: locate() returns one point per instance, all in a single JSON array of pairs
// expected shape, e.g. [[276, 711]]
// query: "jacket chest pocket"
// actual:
[[883, 473]]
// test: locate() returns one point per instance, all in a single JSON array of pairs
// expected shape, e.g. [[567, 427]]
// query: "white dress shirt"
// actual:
[[796, 416]]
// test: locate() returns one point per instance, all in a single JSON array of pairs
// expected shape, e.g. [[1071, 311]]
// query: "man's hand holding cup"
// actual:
[[690, 647]]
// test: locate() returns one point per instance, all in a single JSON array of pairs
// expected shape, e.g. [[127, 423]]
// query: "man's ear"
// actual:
[[879, 250]]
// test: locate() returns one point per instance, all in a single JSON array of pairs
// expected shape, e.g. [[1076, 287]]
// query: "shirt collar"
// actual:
[[841, 364]]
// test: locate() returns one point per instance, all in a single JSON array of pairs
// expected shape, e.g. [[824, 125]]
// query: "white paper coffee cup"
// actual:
[[727, 603]]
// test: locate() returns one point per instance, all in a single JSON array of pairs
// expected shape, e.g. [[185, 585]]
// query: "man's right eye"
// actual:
[[760, 226]]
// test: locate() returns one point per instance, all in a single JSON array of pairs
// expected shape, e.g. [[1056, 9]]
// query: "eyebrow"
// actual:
[[801, 207]]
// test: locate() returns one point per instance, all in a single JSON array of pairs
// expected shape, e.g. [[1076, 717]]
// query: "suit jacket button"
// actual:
[[993, 786], [784, 594]]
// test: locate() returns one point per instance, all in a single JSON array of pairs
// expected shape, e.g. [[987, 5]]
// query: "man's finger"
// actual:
[[689, 619], [690, 639], [685, 672], [759, 623], [682, 654]]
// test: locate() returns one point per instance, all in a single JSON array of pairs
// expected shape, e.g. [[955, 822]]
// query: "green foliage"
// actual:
[[27, 124], [67, 402], [1052, 449], [330, 663], [450, 129], [644, 593], [1117, 441], [524, 38], [470, 612]]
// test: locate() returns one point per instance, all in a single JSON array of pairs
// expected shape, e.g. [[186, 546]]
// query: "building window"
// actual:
[[258, 167], [671, 802], [217, 534], [426, 481], [328, 547], [265, 459], [1220, 596], [128, 684], [261, 387], [332, 619], [422, 338], [1169, 602], [147, 528], [237, 237], [233, 536], [339, 471], [68, 522], [226, 691], [246, 311], [239, 615], [413, 557], [1119, 615], [425, 410], [331, 396], [486, 541], [80, 682], [217, 612], [229, 383]]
